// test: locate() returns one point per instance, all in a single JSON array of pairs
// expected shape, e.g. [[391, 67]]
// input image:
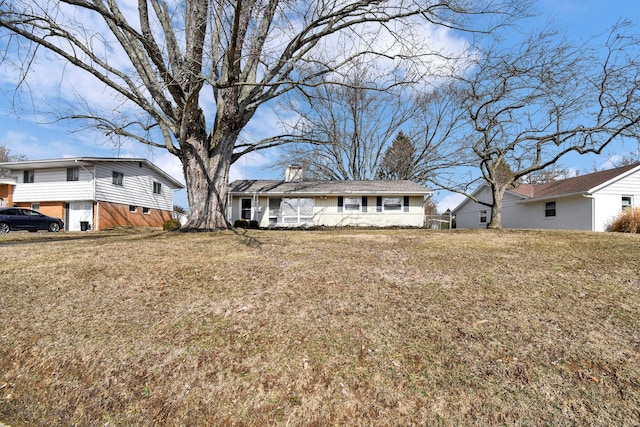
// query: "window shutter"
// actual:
[[340, 203], [379, 204], [406, 203], [364, 203]]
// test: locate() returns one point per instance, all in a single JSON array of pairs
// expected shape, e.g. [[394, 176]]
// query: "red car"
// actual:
[[27, 219]]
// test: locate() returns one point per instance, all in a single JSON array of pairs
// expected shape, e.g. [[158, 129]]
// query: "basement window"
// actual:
[[550, 209], [133, 208], [146, 210]]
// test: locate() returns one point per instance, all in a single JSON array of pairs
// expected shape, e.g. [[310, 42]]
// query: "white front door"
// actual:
[[80, 216]]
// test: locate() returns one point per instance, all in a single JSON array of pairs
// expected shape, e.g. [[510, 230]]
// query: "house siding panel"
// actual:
[[608, 200], [137, 188], [572, 213], [468, 214], [52, 185]]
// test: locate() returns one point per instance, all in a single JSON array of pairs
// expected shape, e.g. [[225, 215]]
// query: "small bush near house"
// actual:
[[627, 221], [243, 223], [171, 225]]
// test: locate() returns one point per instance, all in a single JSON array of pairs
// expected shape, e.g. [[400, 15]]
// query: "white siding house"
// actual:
[[300, 203], [93, 193], [587, 202]]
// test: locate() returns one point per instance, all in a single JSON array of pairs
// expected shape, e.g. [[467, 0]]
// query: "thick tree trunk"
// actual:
[[207, 178], [496, 210]]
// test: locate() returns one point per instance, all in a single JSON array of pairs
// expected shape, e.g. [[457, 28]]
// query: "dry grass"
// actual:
[[333, 327], [628, 221]]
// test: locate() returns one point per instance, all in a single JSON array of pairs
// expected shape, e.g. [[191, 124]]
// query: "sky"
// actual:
[[38, 137]]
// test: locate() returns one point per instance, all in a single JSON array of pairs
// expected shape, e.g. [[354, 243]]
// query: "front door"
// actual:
[[245, 209]]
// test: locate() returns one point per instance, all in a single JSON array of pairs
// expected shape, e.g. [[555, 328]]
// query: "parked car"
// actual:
[[27, 219]]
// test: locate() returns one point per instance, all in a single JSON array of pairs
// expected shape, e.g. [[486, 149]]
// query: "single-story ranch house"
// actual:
[[586, 202], [90, 192], [294, 202]]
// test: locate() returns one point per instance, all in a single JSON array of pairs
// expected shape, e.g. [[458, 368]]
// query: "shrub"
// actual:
[[171, 225], [627, 221], [243, 223]]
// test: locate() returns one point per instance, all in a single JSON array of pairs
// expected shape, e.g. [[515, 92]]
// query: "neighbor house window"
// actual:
[[550, 209], [146, 211], [117, 178], [73, 174], [352, 203], [35, 206], [133, 208], [392, 203], [297, 210], [483, 217], [157, 188], [28, 176], [627, 202]]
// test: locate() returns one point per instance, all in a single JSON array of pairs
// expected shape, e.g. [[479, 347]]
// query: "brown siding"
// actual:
[[54, 209], [6, 193], [111, 215]]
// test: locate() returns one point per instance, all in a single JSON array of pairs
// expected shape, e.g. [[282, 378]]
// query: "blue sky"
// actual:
[[39, 138]]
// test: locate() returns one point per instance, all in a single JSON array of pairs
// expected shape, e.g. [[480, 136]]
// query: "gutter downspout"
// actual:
[[593, 210]]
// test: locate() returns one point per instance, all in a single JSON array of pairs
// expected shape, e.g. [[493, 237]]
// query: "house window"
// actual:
[[35, 206], [297, 210], [133, 208], [146, 211], [73, 174], [364, 203], [550, 209], [352, 204], [627, 202], [29, 176], [117, 178], [392, 203], [157, 188], [483, 217]]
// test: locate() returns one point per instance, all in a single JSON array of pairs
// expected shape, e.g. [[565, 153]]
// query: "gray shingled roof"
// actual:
[[578, 184], [274, 187]]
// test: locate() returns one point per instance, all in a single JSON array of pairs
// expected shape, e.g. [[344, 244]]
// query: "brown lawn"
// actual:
[[337, 327]]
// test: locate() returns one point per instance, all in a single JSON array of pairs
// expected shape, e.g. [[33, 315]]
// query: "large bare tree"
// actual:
[[165, 59], [529, 105], [344, 127]]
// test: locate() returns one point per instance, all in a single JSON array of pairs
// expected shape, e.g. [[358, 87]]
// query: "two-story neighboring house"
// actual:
[[91, 192]]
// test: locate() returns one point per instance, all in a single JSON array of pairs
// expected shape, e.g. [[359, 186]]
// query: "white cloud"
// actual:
[[450, 201]]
